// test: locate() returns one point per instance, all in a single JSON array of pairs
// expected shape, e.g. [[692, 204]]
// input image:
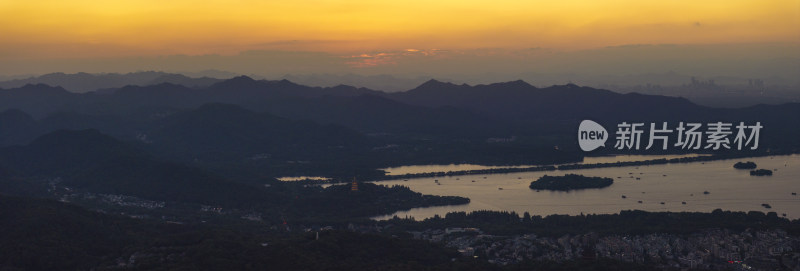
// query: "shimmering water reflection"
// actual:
[[672, 184]]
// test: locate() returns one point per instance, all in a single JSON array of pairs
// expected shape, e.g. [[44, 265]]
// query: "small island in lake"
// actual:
[[745, 165], [570, 182], [761, 172]]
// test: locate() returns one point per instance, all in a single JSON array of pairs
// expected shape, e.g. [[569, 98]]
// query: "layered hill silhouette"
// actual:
[[221, 143], [509, 99], [86, 82], [433, 110]]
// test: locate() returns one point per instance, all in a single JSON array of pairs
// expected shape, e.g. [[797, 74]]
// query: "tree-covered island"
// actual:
[[570, 182]]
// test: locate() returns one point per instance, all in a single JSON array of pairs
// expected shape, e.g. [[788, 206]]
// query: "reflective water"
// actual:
[[672, 184], [587, 160], [302, 178]]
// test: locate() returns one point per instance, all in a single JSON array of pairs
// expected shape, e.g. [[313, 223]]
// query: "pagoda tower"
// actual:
[[354, 185]]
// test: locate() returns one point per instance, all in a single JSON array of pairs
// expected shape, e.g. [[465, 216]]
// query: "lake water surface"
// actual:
[[586, 160], [729, 189]]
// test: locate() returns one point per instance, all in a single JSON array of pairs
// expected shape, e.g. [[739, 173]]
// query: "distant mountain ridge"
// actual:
[[434, 109], [384, 82], [499, 99], [86, 82], [519, 100]]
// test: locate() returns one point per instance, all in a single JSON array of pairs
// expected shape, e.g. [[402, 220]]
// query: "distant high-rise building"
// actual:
[[695, 83], [354, 185], [756, 83]]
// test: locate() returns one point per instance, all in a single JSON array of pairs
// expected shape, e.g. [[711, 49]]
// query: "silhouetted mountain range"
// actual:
[[541, 117], [86, 82], [384, 82], [521, 101], [731, 92], [196, 166]]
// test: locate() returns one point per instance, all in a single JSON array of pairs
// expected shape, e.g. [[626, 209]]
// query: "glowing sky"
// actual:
[[56, 29], [124, 27]]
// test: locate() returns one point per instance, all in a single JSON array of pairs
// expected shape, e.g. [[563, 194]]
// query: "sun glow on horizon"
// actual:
[[84, 28]]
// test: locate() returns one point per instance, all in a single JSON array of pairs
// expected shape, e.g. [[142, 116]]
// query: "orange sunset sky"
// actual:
[[39, 36]]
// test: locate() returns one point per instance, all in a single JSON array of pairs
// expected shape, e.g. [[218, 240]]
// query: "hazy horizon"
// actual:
[[544, 43], [778, 62]]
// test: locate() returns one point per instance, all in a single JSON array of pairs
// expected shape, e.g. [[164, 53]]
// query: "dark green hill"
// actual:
[[97, 163], [17, 127], [65, 152], [49, 235], [229, 132]]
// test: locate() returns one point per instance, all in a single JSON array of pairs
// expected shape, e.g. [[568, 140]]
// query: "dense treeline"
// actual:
[[470, 172], [706, 158], [49, 235], [660, 161], [626, 222]]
